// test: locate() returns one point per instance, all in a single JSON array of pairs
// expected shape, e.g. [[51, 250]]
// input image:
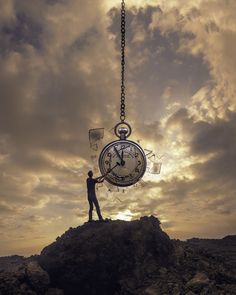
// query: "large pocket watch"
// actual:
[[123, 161]]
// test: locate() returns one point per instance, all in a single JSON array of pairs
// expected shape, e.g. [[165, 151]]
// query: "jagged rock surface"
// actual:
[[123, 258], [23, 277], [104, 258]]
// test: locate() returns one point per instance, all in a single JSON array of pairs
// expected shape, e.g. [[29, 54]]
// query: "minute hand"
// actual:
[[119, 156]]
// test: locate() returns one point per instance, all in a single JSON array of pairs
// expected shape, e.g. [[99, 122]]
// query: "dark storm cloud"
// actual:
[[219, 136], [24, 31], [207, 137]]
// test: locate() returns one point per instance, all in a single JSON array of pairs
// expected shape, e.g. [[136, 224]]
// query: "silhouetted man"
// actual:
[[91, 183]]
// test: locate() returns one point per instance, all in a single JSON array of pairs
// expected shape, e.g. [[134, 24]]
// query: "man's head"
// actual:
[[90, 173]]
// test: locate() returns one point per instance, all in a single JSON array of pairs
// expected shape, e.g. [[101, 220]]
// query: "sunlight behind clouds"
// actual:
[[125, 215]]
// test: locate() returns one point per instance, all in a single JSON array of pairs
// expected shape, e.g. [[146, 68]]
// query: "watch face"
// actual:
[[125, 160]]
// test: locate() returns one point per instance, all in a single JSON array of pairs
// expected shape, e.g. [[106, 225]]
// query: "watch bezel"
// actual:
[[122, 141]]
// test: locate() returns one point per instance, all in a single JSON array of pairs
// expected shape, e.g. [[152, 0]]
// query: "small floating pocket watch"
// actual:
[[123, 161]]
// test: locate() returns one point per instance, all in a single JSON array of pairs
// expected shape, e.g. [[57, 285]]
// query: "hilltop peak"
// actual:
[[100, 257]]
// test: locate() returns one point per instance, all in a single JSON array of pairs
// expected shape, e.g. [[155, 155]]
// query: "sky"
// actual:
[[60, 77]]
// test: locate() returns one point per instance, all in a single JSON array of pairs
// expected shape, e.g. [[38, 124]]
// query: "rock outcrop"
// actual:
[[104, 258], [123, 258], [25, 278]]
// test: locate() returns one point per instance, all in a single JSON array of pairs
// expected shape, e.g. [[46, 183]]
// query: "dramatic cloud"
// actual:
[[59, 77]]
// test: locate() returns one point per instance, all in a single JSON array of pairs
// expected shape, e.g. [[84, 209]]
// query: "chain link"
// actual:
[[122, 96]]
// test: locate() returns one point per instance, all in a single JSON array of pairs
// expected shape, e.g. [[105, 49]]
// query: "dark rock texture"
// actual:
[[23, 278], [123, 258], [104, 258]]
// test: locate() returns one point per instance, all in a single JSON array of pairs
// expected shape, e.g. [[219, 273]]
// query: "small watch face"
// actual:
[[125, 160]]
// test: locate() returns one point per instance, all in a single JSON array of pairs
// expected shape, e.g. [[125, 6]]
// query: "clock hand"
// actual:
[[123, 148], [117, 153], [122, 157], [101, 178], [117, 164], [122, 162]]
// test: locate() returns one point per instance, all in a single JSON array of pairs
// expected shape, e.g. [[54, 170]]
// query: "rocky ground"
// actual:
[[123, 258]]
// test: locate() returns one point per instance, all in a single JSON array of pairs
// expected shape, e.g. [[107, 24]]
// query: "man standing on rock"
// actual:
[[92, 199]]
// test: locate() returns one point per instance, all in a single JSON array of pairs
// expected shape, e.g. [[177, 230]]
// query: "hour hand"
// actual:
[[122, 157], [122, 162]]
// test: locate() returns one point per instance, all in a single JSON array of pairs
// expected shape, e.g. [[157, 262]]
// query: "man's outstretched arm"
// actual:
[[101, 178]]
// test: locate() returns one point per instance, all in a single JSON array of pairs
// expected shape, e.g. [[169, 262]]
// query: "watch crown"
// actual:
[[123, 131]]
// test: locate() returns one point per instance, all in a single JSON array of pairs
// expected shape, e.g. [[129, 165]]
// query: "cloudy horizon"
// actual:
[[60, 77]]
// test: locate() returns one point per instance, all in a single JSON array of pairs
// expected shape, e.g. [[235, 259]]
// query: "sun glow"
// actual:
[[124, 215]]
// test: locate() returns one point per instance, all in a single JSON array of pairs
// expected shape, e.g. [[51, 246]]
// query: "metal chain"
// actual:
[[122, 96]]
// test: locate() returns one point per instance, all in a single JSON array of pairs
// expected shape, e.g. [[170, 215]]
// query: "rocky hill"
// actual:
[[123, 258]]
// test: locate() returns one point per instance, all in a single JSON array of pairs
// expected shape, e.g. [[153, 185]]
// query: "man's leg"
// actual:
[[95, 201], [90, 210]]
